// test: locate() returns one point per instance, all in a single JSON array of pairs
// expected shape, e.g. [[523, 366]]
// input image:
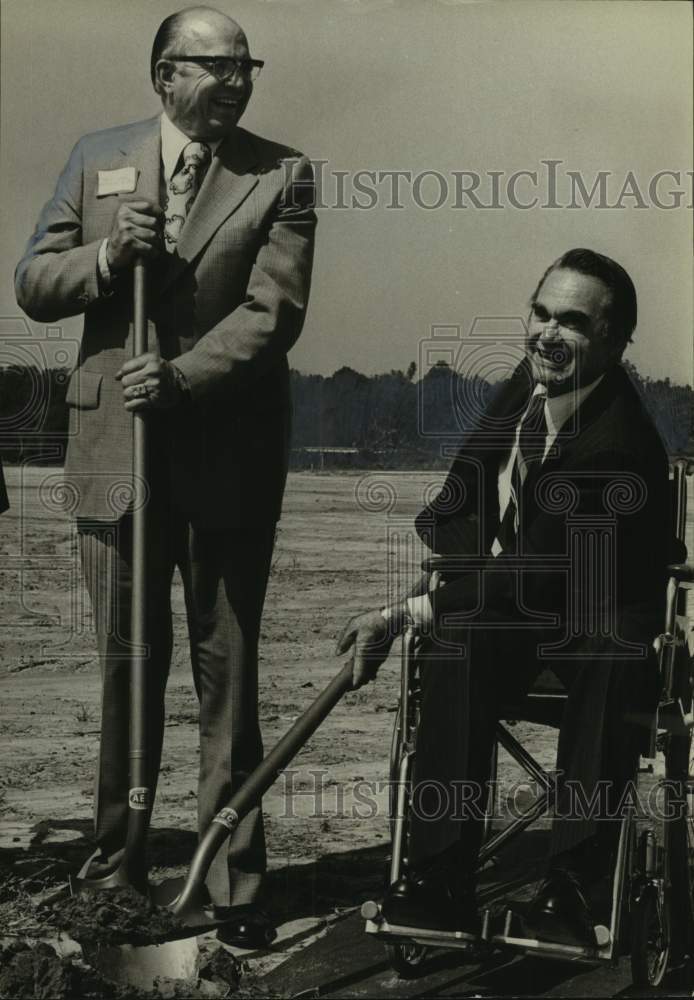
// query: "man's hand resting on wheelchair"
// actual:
[[371, 634]]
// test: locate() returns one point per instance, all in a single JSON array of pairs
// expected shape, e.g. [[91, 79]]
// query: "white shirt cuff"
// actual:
[[102, 264], [420, 609]]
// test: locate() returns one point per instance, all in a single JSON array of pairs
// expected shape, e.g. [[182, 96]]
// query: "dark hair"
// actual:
[[621, 312], [165, 37]]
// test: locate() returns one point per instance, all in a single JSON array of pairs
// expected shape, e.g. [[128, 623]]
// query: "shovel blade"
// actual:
[[128, 872], [114, 880], [198, 918]]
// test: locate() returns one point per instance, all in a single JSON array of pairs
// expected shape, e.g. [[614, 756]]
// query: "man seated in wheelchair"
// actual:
[[559, 501]]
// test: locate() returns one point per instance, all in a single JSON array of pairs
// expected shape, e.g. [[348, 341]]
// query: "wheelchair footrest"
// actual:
[[515, 935], [377, 924]]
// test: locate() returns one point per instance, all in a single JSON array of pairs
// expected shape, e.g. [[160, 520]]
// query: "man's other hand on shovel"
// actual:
[[150, 382], [371, 634]]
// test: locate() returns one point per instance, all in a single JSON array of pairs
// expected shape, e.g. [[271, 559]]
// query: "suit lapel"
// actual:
[[490, 440], [144, 153], [495, 430], [226, 186], [590, 410], [571, 436]]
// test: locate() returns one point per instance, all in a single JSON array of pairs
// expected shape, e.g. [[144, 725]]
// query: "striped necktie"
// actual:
[[182, 190], [529, 454]]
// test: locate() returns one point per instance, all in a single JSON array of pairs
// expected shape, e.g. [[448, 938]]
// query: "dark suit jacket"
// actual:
[[609, 473], [227, 306]]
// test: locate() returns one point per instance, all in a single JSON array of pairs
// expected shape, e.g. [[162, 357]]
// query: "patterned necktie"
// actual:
[[529, 454], [182, 189]]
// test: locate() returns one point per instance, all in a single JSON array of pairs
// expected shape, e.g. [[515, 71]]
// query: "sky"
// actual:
[[448, 92]]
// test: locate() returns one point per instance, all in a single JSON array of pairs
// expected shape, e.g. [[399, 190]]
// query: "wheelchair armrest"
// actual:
[[682, 572], [445, 564]]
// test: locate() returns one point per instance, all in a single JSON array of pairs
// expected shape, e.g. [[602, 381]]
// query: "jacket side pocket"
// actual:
[[84, 390]]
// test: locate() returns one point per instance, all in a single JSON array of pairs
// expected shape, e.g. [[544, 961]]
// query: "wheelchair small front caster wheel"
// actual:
[[406, 959], [650, 939]]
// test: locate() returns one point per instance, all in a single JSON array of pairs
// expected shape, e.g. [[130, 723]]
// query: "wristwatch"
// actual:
[[181, 382]]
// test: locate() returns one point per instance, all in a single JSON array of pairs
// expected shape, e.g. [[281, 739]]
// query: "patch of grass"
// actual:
[[283, 563], [83, 712]]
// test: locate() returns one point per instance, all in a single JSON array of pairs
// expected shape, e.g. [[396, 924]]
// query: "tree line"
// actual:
[[392, 420]]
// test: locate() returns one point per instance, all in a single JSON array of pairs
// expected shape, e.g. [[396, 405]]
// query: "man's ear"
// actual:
[[615, 345], [163, 76]]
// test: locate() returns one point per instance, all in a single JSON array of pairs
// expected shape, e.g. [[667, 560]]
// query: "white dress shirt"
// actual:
[[558, 410]]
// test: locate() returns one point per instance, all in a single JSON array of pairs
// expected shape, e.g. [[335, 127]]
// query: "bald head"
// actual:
[[203, 72], [180, 32]]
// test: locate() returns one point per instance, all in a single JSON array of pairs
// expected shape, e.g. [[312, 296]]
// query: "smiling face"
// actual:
[[194, 99], [569, 343]]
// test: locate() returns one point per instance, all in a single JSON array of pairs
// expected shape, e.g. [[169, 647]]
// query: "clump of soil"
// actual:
[[111, 917], [223, 969], [35, 972], [32, 970]]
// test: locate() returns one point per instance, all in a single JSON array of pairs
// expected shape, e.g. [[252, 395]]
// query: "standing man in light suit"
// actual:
[[225, 222]]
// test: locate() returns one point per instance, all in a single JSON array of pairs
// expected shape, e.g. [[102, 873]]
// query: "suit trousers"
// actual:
[[4, 503], [224, 577], [462, 699]]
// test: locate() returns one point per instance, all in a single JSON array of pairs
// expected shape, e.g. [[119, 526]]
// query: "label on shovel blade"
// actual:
[[138, 798], [228, 818]]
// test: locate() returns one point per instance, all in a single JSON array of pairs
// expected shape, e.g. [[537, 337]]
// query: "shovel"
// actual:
[[178, 957], [132, 868], [139, 966], [188, 906]]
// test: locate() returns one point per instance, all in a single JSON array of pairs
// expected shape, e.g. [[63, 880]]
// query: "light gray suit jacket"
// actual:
[[227, 306]]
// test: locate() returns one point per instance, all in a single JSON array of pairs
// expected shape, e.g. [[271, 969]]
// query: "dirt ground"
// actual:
[[345, 544]]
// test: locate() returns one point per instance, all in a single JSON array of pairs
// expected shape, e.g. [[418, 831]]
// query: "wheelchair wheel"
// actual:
[[650, 939], [679, 765], [406, 958]]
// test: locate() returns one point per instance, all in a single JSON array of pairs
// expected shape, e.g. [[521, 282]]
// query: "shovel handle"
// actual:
[[139, 307], [255, 785], [139, 799]]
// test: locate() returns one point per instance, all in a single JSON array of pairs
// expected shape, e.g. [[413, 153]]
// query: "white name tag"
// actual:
[[123, 181]]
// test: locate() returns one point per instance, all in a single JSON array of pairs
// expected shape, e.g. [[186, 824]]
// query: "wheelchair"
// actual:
[[652, 888]]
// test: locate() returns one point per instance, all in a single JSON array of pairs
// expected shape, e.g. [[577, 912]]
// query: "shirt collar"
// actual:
[[173, 142], [559, 409]]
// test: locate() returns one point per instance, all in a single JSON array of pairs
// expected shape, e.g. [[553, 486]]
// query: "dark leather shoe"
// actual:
[[428, 904], [251, 930], [560, 912]]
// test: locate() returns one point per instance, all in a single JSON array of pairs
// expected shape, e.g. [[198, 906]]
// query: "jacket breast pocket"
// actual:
[[84, 390]]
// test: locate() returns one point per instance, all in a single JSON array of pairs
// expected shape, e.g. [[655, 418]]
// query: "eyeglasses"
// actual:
[[224, 67]]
